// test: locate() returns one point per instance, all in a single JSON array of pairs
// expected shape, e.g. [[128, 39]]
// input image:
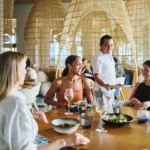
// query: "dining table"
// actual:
[[134, 136]]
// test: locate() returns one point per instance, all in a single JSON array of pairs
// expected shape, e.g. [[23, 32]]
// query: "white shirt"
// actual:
[[31, 75], [18, 128], [104, 65]]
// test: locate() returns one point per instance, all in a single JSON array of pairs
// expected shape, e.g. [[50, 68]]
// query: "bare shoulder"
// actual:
[[136, 85], [85, 80], [58, 82]]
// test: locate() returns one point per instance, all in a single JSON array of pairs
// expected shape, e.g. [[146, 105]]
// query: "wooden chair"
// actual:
[[121, 96], [31, 94]]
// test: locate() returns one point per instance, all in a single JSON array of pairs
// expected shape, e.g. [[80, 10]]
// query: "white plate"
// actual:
[[115, 86], [88, 75], [120, 86]]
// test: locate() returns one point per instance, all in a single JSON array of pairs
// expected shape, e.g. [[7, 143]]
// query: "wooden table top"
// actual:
[[133, 136]]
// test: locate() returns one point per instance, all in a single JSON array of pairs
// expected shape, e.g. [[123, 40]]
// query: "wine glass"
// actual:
[[107, 94], [101, 108], [68, 96]]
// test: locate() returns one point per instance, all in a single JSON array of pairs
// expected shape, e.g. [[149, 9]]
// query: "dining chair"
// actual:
[[121, 96], [50, 107], [92, 89], [31, 94]]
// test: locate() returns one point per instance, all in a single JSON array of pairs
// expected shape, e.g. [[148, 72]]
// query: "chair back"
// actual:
[[42, 76], [31, 93]]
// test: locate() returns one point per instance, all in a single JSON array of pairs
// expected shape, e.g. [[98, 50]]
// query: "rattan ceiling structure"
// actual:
[[139, 14], [31, 1], [8, 13], [87, 21], [8, 6], [42, 30], [1, 26]]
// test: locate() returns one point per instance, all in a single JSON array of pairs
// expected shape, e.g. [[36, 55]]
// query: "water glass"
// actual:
[[82, 106], [142, 116], [86, 120], [117, 108]]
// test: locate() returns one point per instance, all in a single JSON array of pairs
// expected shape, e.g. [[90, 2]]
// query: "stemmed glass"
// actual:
[[107, 95], [68, 96], [101, 108]]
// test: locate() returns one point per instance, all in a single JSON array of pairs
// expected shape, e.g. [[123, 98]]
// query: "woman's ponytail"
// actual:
[[65, 72]]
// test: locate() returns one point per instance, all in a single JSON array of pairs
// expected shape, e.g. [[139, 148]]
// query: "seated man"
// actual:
[[120, 74], [31, 75], [119, 70], [86, 66]]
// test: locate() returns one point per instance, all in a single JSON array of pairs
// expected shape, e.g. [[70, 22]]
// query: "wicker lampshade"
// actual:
[[123, 51], [87, 21], [8, 13], [42, 32], [6, 22], [139, 14], [1, 26]]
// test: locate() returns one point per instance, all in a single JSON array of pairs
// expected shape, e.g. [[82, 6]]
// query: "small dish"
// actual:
[[65, 125]]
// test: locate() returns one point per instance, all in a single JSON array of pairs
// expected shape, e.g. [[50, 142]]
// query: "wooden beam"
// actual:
[[31, 1]]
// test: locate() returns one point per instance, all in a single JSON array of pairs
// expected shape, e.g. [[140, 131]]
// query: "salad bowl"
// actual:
[[117, 119]]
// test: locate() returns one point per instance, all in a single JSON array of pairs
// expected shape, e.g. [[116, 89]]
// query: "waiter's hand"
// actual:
[[107, 87]]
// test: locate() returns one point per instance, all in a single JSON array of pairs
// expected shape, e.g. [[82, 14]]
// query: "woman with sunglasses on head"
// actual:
[[18, 128]]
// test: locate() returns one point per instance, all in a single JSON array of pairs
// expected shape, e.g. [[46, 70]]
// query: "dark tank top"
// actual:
[[143, 93]]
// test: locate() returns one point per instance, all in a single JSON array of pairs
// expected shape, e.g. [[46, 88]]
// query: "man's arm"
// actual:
[[31, 82], [100, 82]]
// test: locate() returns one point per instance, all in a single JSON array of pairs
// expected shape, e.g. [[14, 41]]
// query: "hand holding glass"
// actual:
[[68, 96]]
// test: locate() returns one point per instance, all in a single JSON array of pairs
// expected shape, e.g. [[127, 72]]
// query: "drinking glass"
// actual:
[[82, 106], [68, 96], [107, 95], [101, 108], [142, 116]]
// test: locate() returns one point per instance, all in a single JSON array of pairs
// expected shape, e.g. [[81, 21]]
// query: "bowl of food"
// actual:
[[117, 119], [65, 125]]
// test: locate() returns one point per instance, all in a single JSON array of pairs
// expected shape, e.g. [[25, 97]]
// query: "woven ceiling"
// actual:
[[139, 14], [87, 21], [1, 26]]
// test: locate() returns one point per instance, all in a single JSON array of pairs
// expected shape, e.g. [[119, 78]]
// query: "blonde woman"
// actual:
[[17, 126]]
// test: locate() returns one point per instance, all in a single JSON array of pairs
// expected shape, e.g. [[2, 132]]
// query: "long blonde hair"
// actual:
[[9, 68]]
